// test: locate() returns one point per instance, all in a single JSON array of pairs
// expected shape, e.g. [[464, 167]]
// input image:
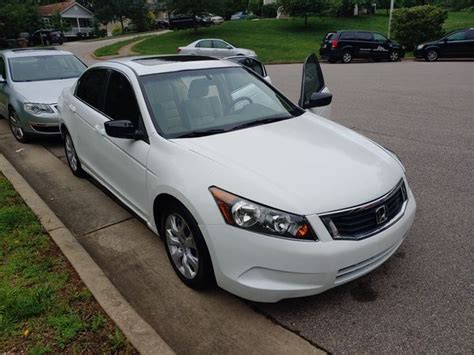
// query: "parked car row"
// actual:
[[185, 21], [344, 46], [244, 186]]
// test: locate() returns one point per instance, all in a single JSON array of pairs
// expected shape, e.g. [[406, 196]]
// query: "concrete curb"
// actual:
[[142, 336]]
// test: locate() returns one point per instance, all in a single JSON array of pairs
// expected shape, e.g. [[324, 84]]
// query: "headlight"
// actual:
[[38, 109], [245, 214], [420, 46]]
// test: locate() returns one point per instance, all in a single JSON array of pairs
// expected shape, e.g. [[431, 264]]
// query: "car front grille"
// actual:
[[368, 219]]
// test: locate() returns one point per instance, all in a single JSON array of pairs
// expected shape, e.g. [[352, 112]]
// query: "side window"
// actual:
[[120, 100], [365, 36], [255, 65], [220, 44], [379, 38], [458, 36], [470, 34], [91, 87], [2, 68], [204, 44], [347, 36]]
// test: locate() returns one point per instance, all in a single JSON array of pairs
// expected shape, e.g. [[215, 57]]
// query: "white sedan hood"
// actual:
[[309, 164], [43, 92]]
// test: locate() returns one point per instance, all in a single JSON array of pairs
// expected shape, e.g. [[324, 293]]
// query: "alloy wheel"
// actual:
[[432, 55], [15, 126], [71, 153], [182, 246], [347, 57], [394, 57]]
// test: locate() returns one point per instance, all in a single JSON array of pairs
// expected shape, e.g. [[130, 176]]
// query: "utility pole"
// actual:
[[392, 4]]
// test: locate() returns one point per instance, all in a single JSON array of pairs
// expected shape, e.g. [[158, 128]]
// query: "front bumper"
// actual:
[[419, 53], [267, 269], [44, 125]]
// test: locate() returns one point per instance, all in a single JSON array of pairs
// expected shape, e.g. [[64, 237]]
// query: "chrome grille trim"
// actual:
[[367, 209]]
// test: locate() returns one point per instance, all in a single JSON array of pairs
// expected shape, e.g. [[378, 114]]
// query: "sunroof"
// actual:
[[171, 58]]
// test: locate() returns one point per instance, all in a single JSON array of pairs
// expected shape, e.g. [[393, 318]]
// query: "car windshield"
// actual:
[[195, 103], [45, 67]]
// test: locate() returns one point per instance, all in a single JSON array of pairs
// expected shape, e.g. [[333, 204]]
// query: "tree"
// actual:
[[118, 10], [57, 23], [415, 25], [303, 7], [18, 16]]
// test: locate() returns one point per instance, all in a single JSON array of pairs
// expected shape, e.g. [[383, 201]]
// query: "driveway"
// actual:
[[84, 49]]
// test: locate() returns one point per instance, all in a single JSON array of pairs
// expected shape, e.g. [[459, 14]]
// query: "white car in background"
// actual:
[[249, 190], [216, 20], [214, 47]]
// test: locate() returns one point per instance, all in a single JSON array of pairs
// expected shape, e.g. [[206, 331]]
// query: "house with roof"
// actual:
[[78, 18]]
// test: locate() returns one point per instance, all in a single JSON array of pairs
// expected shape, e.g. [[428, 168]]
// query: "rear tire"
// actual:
[[346, 57], [432, 55], [71, 156], [185, 246]]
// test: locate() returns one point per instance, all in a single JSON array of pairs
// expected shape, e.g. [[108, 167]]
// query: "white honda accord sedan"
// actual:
[[246, 188]]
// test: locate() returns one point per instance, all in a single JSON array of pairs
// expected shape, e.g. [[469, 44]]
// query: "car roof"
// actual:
[[32, 52], [146, 65]]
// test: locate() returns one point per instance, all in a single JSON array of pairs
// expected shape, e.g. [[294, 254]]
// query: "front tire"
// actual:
[[394, 56], [71, 156], [16, 128], [432, 55], [185, 247]]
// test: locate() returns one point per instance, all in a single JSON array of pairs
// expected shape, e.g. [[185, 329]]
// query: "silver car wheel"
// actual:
[[182, 246], [15, 127], [432, 55], [71, 153], [347, 57], [394, 56]]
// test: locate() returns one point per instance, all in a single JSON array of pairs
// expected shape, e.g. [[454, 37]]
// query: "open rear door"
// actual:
[[314, 96]]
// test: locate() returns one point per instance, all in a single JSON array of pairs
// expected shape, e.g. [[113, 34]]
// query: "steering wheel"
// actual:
[[242, 98]]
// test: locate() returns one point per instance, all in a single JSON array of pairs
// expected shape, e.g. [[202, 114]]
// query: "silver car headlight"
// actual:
[[420, 46], [38, 109], [246, 214]]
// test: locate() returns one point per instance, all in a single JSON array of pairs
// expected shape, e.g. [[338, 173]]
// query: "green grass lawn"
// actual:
[[44, 306], [280, 40]]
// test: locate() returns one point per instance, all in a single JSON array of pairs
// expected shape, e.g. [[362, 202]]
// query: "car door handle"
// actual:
[[72, 108], [100, 130]]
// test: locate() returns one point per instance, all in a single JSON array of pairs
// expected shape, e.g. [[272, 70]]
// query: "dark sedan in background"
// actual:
[[456, 44]]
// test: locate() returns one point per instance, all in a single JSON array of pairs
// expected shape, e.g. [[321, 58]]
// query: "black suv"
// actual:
[[347, 45], [46, 37], [457, 44]]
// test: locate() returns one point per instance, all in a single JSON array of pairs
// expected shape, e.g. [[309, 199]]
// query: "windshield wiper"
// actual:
[[202, 133], [259, 122]]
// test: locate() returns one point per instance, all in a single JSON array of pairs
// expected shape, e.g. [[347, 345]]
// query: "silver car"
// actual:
[[214, 48], [31, 81]]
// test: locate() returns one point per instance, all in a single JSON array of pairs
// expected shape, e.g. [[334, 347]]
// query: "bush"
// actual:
[[255, 7], [116, 31], [415, 25], [270, 10]]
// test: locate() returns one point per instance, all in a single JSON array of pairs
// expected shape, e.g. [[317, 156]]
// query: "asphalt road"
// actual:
[[421, 300]]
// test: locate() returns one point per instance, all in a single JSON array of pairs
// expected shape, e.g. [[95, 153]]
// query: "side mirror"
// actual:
[[2, 80], [122, 129], [228, 47], [319, 99]]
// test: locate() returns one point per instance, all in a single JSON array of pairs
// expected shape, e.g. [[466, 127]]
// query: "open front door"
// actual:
[[315, 96]]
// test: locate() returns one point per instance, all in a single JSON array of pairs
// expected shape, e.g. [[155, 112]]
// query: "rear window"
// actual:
[[347, 35], [329, 36]]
